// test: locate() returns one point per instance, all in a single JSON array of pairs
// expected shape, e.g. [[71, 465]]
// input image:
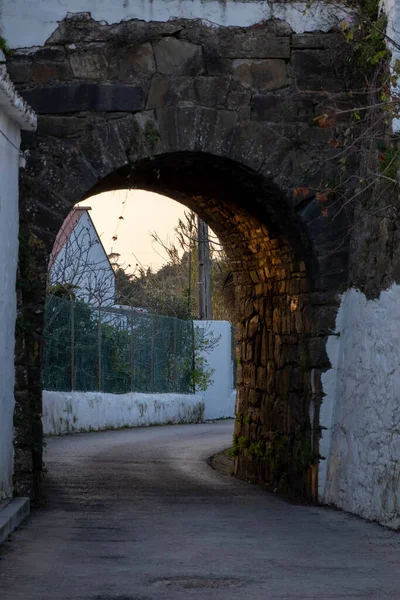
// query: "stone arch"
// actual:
[[214, 120]]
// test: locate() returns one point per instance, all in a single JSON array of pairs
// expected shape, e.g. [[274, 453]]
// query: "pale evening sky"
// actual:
[[143, 212]]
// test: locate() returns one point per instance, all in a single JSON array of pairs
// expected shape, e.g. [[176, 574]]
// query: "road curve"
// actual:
[[139, 515]]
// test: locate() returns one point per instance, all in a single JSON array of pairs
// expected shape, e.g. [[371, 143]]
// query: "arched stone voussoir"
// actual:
[[190, 128]]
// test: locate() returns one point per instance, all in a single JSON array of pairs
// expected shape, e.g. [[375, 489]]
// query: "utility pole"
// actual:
[[205, 305]]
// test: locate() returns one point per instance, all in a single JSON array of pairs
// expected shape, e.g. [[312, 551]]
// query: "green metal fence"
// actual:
[[115, 350]]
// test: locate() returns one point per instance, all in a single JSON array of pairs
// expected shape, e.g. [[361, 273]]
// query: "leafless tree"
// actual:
[[82, 266]]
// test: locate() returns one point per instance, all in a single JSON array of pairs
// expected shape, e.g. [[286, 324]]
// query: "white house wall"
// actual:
[[9, 161], [90, 270], [363, 453]]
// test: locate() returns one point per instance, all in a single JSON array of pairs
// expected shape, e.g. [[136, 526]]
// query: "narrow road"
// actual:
[[139, 515]]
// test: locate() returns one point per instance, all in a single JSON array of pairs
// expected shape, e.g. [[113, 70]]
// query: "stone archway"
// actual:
[[213, 118]]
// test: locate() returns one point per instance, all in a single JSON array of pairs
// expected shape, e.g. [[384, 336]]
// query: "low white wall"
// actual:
[[219, 398], [363, 403], [69, 412]]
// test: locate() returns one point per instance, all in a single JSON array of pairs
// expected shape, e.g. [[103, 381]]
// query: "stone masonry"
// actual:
[[222, 119]]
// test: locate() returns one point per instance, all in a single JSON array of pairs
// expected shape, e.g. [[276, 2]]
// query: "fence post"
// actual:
[[174, 376], [152, 355], [99, 339], [193, 357], [131, 349], [72, 346]]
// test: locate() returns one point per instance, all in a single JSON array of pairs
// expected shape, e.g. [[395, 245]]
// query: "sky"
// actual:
[[143, 212]]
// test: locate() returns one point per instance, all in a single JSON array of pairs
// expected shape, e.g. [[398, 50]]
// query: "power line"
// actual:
[[10, 142]]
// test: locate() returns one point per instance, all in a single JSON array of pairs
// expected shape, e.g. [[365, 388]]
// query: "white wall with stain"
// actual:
[[72, 412], [14, 116], [363, 446]]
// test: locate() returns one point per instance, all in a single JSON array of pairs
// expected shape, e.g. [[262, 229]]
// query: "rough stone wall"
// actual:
[[223, 120]]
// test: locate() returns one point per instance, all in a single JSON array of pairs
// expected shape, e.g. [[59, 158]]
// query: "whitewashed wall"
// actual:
[[69, 412], [9, 162], [14, 115], [219, 398], [28, 23], [363, 402]]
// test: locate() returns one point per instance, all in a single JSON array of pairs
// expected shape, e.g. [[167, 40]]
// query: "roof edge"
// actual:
[[12, 102]]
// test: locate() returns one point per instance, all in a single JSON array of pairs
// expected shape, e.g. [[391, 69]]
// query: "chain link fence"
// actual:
[[115, 350]]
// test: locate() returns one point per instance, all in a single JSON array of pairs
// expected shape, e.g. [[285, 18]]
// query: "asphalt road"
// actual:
[[139, 515]]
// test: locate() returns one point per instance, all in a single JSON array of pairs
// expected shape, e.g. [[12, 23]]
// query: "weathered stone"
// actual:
[[134, 63], [85, 97], [211, 91], [89, 64], [281, 108], [316, 40], [253, 43], [23, 459], [238, 96], [169, 91], [263, 75], [178, 57], [20, 71], [315, 70]]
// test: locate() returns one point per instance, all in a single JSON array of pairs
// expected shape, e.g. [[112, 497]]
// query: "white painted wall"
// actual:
[[83, 262], [14, 114], [27, 23], [392, 11], [363, 456], [69, 412], [9, 161], [219, 398]]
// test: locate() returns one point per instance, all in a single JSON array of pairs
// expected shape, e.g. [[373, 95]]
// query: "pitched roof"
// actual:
[[65, 231]]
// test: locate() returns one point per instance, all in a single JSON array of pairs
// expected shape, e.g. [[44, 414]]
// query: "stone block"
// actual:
[[48, 72], [20, 71], [169, 91], [250, 44], [178, 57], [89, 64], [23, 459], [85, 97], [315, 70], [211, 91], [316, 40], [282, 108], [263, 75], [134, 62]]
